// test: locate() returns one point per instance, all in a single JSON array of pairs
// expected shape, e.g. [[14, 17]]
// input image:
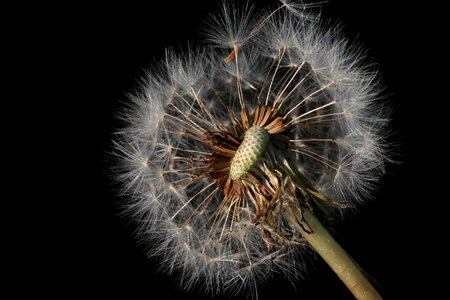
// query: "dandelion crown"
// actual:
[[235, 153]]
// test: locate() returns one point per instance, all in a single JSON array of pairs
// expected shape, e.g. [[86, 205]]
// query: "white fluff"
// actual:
[[164, 197]]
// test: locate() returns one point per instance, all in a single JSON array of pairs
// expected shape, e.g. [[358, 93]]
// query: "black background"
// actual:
[[102, 52]]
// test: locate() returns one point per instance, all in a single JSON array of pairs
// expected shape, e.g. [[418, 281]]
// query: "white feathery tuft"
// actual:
[[234, 27]]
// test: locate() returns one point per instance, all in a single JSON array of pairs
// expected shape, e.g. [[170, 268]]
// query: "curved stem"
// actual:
[[336, 257]]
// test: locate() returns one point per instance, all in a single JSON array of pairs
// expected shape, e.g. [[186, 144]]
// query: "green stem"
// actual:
[[336, 257]]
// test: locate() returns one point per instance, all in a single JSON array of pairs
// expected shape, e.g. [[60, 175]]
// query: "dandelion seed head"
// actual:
[[225, 141]]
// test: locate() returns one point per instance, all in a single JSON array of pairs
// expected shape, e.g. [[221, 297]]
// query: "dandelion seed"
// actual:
[[235, 153]]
